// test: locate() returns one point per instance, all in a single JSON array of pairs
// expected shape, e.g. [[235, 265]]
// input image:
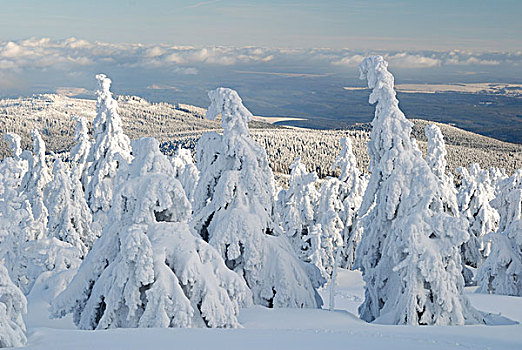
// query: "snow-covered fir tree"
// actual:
[[475, 194], [501, 272], [12, 169], [69, 216], [329, 224], [80, 151], [185, 170], [35, 179], [148, 269], [233, 210], [351, 193], [25, 248], [111, 147], [409, 252], [13, 306], [296, 207]]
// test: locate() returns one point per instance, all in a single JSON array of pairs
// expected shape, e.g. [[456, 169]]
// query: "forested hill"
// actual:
[[184, 124]]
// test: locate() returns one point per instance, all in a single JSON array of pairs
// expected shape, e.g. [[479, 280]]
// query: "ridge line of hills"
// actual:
[[183, 124]]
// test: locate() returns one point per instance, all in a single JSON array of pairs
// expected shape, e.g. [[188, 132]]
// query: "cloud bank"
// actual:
[[72, 52]]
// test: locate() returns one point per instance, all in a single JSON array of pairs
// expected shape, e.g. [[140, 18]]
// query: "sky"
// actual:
[[388, 25]]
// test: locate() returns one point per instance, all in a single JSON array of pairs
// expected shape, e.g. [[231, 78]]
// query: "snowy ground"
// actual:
[[290, 329]]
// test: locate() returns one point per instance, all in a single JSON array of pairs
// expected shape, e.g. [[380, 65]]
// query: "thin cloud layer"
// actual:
[[72, 52]]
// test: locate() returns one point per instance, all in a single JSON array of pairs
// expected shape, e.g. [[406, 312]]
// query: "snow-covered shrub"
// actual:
[[502, 271], [148, 269], [409, 252], [185, 171], [12, 306], [233, 210], [111, 147], [296, 207], [475, 194], [69, 216]]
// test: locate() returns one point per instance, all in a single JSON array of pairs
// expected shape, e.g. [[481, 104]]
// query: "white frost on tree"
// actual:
[[475, 194], [110, 149], [185, 171], [409, 252], [12, 307], [148, 269], [69, 216], [501, 272], [296, 207], [233, 206]]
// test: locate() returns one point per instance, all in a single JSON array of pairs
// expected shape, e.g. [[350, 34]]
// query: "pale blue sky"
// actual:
[[387, 25]]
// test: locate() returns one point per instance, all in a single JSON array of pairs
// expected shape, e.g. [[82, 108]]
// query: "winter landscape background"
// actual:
[[234, 174]]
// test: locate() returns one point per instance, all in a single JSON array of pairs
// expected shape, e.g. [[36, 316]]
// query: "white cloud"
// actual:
[[407, 60], [349, 61], [72, 54]]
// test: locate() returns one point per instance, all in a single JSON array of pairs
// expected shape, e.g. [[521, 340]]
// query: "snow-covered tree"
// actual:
[[111, 147], [12, 169], [69, 216], [185, 171], [233, 210], [35, 179], [351, 193], [25, 248], [12, 307], [409, 252], [475, 194], [148, 269], [80, 151], [296, 207], [329, 224], [501, 272]]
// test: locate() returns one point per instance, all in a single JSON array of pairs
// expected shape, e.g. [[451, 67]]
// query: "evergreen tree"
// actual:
[[475, 194], [33, 183], [296, 207], [185, 171], [69, 216], [111, 149], [148, 269], [233, 206], [353, 186], [500, 273], [80, 151], [409, 253]]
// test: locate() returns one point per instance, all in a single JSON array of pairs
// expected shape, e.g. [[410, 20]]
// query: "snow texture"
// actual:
[[409, 253], [185, 171], [148, 269], [233, 210], [12, 307]]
